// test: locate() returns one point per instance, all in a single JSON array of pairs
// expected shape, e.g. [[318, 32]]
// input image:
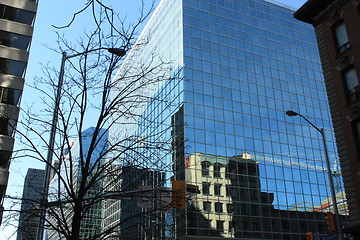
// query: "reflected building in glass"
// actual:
[[235, 67], [90, 146]]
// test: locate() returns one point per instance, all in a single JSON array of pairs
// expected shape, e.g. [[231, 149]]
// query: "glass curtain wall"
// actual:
[[261, 174], [235, 68]]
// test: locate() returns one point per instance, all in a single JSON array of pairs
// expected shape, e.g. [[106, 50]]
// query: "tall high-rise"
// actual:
[[16, 20], [32, 193], [234, 68]]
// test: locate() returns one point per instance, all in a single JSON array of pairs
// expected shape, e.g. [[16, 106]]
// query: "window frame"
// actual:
[[217, 170], [206, 205], [205, 169], [220, 225], [344, 46], [206, 185], [217, 189], [352, 94], [219, 207]]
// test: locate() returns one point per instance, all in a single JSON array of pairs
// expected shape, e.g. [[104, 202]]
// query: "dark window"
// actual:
[[12, 67], [227, 189], [230, 171], [15, 14], [232, 225], [217, 169], [205, 169], [230, 208], [9, 96], [217, 189], [231, 191], [356, 129], [254, 210], [244, 194], [220, 225], [352, 84], [254, 194], [14, 40], [255, 226], [4, 158], [341, 37], [285, 224], [7, 126], [206, 188], [218, 207], [207, 206], [244, 209]]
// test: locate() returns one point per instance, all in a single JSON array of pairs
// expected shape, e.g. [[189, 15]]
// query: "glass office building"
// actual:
[[234, 69], [68, 177], [28, 219]]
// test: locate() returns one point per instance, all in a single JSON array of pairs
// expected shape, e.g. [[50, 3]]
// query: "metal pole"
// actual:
[[332, 189], [44, 198], [339, 231]]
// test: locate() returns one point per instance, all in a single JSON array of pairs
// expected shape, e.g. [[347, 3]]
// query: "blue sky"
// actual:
[[59, 13]]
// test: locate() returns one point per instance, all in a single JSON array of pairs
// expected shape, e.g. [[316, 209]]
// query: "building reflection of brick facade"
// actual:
[[228, 202]]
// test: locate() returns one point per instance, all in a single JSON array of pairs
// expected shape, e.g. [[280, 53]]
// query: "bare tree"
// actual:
[[94, 92]]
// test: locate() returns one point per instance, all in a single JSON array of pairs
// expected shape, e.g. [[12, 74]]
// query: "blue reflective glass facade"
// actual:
[[236, 67]]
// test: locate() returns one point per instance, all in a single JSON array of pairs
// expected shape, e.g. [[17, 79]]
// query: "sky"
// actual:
[[59, 13]]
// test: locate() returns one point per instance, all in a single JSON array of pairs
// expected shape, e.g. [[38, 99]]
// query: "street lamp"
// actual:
[[120, 52], [339, 234]]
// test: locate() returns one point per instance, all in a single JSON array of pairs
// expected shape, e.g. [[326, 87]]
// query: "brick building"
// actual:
[[337, 26]]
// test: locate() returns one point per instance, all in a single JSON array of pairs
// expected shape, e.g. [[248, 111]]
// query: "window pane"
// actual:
[[14, 40], [9, 96], [217, 189], [217, 170], [7, 126], [220, 225], [15, 14], [205, 169], [4, 157], [352, 84], [207, 206], [12, 67], [351, 79], [218, 207], [230, 208], [341, 37], [206, 188]]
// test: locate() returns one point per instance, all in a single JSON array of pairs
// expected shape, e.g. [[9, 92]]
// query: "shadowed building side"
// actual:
[[337, 24], [32, 193]]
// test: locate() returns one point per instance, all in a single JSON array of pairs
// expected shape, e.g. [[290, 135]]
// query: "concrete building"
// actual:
[[337, 24], [16, 28], [32, 194], [233, 69]]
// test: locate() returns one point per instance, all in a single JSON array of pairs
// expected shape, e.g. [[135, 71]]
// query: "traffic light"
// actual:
[[331, 222], [179, 194], [309, 236]]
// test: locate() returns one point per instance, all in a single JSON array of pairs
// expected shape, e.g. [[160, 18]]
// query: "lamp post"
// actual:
[[40, 231], [339, 233]]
